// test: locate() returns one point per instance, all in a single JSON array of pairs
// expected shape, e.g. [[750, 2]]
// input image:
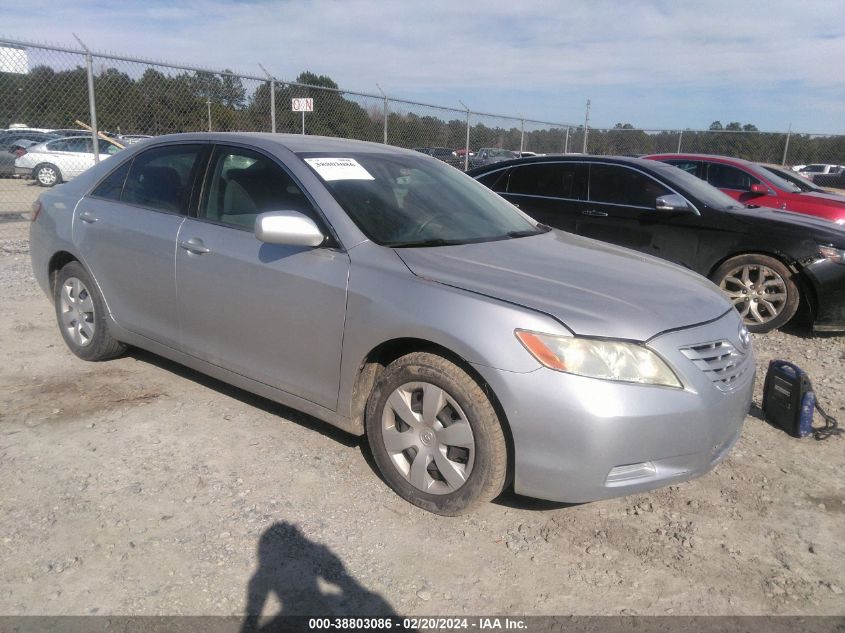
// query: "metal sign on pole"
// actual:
[[302, 105]]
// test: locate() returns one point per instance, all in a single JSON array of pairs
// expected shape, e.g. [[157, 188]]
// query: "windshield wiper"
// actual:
[[437, 241], [528, 232]]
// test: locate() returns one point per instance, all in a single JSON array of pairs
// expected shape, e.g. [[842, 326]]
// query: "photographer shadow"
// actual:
[[293, 568]]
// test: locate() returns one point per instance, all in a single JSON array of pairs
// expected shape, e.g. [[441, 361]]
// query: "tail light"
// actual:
[[36, 209]]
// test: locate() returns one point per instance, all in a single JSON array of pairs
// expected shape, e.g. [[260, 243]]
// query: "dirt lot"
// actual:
[[140, 487]]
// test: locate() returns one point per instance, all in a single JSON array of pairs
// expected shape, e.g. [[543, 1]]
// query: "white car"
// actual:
[[62, 159], [816, 169]]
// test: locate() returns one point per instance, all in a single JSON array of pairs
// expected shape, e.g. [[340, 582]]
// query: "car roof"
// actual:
[[716, 157], [639, 163], [294, 142]]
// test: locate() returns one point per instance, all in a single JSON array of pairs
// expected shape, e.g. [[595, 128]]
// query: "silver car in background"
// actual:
[[390, 295]]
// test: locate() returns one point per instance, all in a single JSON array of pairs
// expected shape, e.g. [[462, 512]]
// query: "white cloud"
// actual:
[[539, 46]]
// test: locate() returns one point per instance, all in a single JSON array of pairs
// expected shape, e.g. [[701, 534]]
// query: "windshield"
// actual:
[[796, 183], [402, 201], [696, 187]]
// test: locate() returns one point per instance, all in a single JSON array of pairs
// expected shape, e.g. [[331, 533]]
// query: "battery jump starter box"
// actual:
[[788, 398]]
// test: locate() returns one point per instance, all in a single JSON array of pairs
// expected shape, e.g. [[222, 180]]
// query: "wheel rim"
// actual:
[[77, 311], [758, 292], [47, 175], [428, 438]]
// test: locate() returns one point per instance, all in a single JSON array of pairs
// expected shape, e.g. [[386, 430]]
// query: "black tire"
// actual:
[[47, 175], [762, 309], [99, 345], [486, 461]]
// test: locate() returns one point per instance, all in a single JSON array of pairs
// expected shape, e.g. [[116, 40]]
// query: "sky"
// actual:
[[655, 64]]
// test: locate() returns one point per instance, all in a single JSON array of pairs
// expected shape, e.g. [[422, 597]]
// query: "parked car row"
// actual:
[[387, 293]]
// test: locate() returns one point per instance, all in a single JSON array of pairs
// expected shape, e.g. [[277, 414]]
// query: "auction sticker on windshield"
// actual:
[[339, 169]]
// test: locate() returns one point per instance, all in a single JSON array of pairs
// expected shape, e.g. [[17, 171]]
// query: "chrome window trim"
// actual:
[[591, 162]]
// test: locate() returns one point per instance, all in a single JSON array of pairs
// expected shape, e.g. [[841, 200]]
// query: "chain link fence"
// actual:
[[69, 97]]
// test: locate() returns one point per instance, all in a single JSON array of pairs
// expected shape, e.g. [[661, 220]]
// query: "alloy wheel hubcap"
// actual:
[[428, 438], [77, 311], [758, 292], [47, 175]]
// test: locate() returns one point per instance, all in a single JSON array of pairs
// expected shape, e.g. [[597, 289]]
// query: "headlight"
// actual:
[[834, 254], [610, 360]]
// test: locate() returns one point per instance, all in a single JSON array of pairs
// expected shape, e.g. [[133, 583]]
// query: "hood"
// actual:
[[594, 288], [819, 228]]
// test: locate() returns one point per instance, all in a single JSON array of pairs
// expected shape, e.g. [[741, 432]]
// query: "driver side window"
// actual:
[[243, 184]]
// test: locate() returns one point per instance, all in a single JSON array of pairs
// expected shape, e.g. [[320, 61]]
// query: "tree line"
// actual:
[[154, 102]]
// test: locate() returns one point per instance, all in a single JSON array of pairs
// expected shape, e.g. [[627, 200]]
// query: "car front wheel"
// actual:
[[761, 288], [435, 435]]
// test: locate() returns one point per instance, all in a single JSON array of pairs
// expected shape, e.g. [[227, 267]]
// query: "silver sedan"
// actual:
[[390, 295]]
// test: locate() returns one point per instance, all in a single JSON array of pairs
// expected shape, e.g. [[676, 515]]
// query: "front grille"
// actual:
[[720, 361]]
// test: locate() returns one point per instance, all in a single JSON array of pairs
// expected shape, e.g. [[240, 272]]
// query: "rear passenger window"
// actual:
[[550, 180], [620, 185], [161, 178], [243, 184], [112, 186]]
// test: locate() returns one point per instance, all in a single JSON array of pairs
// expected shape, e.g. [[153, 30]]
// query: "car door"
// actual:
[[125, 231], [550, 192], [77, 156], [620, 209], [271, 312]]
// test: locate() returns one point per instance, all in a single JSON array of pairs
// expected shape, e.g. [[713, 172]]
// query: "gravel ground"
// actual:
[[140, 487]]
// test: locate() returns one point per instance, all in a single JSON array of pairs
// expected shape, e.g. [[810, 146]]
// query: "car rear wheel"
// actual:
[[435, 435], [80, 312], [47, 175], [761, 288]]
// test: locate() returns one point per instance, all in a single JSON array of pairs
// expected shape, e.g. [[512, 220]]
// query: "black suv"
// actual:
[[766, 260]]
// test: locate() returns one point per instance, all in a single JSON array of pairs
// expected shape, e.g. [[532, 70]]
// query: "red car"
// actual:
[[751, 184]]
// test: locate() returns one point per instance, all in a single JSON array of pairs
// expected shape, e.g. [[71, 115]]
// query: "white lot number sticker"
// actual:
[[339, 169]]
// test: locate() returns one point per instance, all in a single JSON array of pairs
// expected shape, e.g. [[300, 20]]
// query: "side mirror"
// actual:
[[287, 227], [674, 203], [759, 190]]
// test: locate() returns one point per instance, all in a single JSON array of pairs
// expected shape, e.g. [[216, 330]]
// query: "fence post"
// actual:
[[522, 137], [786, 145], [92, 103], [566, 142], [680, 138], [586, 126], [273, 106], [466, 149], [384, 96], [272, 98]]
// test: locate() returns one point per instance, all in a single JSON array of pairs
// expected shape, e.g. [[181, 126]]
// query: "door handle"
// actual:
[[194, 245], [88, 217], [593, 213]]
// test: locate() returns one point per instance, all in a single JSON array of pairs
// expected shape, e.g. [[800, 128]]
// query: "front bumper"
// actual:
[[828, 280], [26, 172], [580, 439]]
